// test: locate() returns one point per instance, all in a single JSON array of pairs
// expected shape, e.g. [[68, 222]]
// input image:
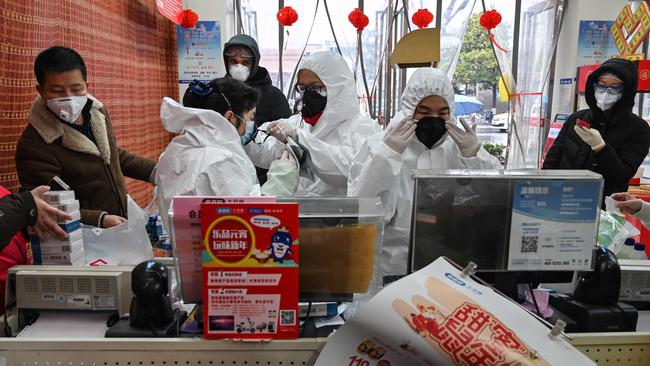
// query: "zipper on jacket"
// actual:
[[117, 194]]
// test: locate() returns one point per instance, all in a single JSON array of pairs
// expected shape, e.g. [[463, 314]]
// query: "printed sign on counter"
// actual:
[[436, 316], [188, 242], [250, 270], [554, 224]]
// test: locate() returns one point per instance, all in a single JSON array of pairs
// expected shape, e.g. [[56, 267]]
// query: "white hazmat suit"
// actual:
[[333, 142], [380, 171], [208, 159]]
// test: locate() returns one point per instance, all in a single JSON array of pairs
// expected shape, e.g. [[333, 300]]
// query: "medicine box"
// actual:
[[68, 207], [58, 196]]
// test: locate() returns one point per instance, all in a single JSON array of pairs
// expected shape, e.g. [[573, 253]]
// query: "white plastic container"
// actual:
[[627, 250], [639, 252]]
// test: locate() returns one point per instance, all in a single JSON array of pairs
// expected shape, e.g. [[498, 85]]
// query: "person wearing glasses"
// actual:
[[241, 56], [329, 129], [207, 158], [607, 138]]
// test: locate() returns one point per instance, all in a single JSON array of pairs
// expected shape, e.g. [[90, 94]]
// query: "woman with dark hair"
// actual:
[[207, 157]]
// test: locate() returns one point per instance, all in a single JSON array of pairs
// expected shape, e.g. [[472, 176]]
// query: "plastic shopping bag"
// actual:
[[613, 230], [125, 244]]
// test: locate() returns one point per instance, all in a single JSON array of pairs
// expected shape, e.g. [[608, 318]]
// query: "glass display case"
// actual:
[[340, 246]]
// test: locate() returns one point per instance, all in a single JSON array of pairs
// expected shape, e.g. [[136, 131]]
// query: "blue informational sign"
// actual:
[[554, 224], [595, 42], [199, 51]]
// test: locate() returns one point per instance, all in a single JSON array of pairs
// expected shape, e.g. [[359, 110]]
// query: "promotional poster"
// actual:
[[438, 317], [199, 51], [250, 270], [188, 241]]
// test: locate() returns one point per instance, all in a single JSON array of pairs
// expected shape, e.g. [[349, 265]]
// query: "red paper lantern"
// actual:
[[358, 19], [189, 19], [422, 18], [490, 19], [287, 16]]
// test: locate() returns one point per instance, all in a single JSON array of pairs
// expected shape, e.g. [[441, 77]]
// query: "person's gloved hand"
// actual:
[[465, 138], [398, 137], [281, 130], [590, 136], [627, 203]]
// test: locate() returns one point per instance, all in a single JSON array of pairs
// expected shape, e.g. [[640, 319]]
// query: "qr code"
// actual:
[[287, 317], [529, 244]]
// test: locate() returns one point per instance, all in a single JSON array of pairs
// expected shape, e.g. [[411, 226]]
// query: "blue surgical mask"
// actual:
[[249, 134]]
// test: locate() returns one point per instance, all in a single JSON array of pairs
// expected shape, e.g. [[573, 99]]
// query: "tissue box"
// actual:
[[68, 207], [76, 216], [49, 248], [63, 258], [57, 197]]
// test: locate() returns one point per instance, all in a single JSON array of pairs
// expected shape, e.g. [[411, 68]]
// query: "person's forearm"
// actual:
[[16, 212]]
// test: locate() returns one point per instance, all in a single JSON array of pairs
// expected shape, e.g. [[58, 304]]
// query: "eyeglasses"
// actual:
[[320, 89], [610, 89], [242, 51]]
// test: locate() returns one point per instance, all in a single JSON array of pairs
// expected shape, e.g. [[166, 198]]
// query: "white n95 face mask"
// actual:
[[605, 100], [239, 72], [67, 108]]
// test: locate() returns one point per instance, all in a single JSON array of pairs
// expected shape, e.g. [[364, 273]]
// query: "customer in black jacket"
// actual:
[[617, 140], [242, 56]]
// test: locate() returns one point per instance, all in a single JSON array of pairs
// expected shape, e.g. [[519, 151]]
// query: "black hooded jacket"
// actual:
[[626, 135], [272, 104]]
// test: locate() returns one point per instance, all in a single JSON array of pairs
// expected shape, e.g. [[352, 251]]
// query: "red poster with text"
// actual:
[[250, 270], [171, 9]]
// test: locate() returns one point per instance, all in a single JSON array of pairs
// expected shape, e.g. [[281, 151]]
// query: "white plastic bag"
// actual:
[[613, 230], [125, 244]]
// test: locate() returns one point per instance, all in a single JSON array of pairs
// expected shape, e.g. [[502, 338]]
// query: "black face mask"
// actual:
[[312, 103], [430, 130]]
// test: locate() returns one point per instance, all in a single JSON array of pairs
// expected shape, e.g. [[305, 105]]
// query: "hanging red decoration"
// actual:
[[422, 18], [287, 16], [189, 19], [489, 20], [358, 19]]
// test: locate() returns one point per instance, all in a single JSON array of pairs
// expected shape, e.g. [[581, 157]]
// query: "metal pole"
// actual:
[[388, 75], [438, 13], [515, 41]]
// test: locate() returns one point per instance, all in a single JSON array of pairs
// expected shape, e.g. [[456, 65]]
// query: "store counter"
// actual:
[[623, 349]]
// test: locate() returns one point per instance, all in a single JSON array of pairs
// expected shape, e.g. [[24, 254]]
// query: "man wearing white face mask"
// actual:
[[607, 138], [241, 56], [70, 136]]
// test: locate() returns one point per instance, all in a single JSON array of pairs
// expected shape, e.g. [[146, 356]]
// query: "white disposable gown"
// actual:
[[334, 141], [380, 171], [205, 159]]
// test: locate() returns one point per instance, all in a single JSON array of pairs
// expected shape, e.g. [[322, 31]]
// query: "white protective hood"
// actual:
[[385, 173], [342, 100], [205, 159], [337, 136]]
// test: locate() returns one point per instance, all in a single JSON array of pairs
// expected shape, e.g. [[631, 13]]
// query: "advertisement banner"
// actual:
[[199, 51], [438, 316], [250, 270]]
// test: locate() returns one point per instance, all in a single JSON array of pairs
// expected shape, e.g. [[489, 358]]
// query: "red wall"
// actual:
[[130, 52]]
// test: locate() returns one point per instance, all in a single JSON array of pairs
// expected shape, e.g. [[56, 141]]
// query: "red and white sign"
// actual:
[[171, 9], [644, 75], [583, 73]]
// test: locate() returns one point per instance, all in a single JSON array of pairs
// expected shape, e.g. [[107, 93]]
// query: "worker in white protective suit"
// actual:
[[207, 157], [329, 129], [423, 135]]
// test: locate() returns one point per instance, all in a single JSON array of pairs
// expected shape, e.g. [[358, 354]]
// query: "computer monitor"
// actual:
[[517, 226]]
